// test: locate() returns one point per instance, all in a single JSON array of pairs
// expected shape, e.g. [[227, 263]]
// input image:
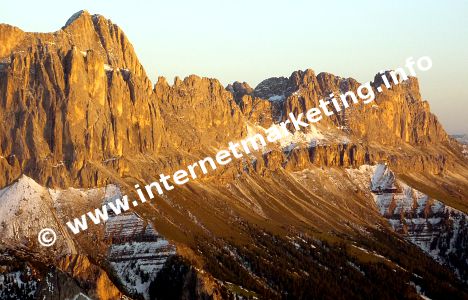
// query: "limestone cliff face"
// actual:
[[77, 101], [72, 99], [10, 37], [255, 109], [398, 115], [198, 113], [397, 127]]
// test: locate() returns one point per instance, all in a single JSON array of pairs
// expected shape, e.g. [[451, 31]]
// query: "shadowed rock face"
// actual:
[[78, 110]]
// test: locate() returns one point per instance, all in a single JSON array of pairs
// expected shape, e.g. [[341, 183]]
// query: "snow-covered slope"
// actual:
[[27, 207], [438, 229], [137, 252], [308, 137]]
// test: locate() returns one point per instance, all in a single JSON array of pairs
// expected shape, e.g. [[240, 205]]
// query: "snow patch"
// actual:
[[277, 98], [26, 207], [108, 68], [137, 252], [74, 17], [434, 227]]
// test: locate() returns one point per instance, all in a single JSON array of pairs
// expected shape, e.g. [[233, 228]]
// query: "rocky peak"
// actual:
[[280, 88], [198, 103], [82, 14], [83, 31], [80, 92], [239, 89], [331, 83], [9, 38], [95, 32], [272, 87], [302, 78]]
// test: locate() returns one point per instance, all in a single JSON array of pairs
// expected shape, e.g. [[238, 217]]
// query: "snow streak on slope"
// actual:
[[439, 230], [137, 252], [288, 141]]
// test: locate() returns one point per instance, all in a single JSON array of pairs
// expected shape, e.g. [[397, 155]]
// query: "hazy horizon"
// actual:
[[250, 42]]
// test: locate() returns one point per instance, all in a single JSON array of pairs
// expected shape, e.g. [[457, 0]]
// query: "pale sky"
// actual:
[[254, 40]]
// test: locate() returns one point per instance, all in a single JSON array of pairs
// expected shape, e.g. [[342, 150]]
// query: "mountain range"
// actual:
[[370, 203]]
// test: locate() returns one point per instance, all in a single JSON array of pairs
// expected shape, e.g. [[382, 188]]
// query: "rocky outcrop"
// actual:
[[255, 109], [439, 230], [10, 37], [398, 115], [198, 112], [239, 90], [81, 269]]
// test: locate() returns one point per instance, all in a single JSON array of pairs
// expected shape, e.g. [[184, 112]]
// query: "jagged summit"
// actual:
[[278, 89], [9, 37], [83, 31], [239, 89], [76, 16], [82, 18], [83, 15], [5, 27], [274, 88], [89, 101]]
